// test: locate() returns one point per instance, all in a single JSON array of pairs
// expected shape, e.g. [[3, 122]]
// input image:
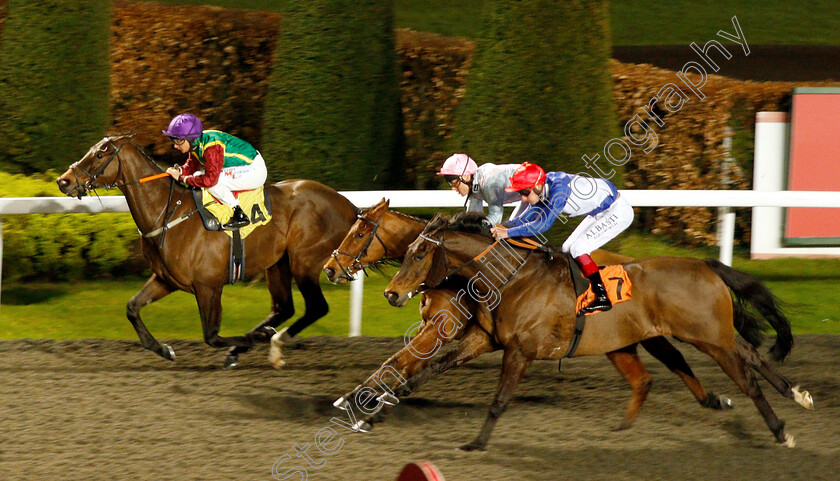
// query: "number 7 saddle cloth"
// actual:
[[617, 283]]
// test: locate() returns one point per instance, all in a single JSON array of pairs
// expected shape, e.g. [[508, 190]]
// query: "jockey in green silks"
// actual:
[[218, 162]]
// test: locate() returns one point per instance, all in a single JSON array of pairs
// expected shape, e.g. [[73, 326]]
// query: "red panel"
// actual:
[[814, 162]]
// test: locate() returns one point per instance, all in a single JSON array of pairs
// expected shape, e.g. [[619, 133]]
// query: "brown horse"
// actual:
[[533, 313], [308, 222], [382, 234]]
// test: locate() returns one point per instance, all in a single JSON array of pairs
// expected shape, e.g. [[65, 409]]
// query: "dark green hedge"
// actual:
[[332, 112], [540, 86], [65, 246], [53, 82]]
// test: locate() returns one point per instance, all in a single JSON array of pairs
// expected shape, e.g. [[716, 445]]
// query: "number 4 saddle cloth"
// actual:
[[617, 283], [254, 204]]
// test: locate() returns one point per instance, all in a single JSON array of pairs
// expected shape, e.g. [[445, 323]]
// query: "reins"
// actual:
[[525, 243], [166, 213]]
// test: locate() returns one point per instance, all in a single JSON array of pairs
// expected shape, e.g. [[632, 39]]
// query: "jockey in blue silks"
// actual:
[[560, 194]]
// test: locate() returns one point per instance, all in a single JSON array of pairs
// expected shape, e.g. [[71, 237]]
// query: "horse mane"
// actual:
[[466, 222], [127, 136], [470, 223], [475, 223], [398, 213], [117, 136]]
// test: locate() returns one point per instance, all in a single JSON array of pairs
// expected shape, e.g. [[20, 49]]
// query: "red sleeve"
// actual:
[[214, 160], [191, 165]]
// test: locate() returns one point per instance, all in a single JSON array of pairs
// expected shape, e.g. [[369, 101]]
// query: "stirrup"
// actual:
[[239, 219], [236, 224], [595, 307]]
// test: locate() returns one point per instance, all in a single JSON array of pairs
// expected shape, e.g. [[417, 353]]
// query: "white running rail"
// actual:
[[724, 200]]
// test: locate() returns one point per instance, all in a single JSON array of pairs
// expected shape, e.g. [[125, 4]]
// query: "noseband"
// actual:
[[89, 184], [450, 271], [357, 259], [168, 211]]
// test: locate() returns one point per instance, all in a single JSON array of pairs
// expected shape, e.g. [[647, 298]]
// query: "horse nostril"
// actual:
[[391, 295], [62, 182], [330, 272]]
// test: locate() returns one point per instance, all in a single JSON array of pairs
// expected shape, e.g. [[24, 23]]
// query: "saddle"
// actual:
[[618, 286], [254, 203]]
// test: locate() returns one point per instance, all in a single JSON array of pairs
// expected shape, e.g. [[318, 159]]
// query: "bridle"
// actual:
[[90, 185], [357, 259], [452, 271]]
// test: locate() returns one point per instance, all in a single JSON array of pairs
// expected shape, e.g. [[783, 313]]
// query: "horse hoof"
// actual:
[[389, 399], [276, 361], [803, 397], [231, 361], [362, 427], [275, 352], [789, 441], [282, 336], [726, 403], [341, 403], [473, 446], [262, 335], [623, 426], [168, 353]]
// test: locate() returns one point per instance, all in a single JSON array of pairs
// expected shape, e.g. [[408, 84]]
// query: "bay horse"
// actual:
[[381, 234], [308, 221], [534, 310]]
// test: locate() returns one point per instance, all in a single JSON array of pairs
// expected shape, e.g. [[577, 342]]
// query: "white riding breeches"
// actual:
[[239, 177], [595, 231]]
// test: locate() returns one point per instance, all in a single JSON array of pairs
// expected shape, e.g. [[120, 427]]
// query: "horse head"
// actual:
[[424, 265], [358, 248], [97, 168]]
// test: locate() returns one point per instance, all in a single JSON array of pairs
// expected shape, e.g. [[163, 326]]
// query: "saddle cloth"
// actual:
[[254, 204], [617, 283]]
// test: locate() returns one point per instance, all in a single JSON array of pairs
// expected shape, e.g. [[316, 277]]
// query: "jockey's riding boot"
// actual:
[[239, 219], [602, 301]]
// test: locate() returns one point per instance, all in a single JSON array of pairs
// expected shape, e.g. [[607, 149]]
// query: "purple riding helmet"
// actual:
[[184, 126]]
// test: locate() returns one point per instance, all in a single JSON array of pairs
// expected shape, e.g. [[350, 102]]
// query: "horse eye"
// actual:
[[360, 235], [419, 257], [98, 156]]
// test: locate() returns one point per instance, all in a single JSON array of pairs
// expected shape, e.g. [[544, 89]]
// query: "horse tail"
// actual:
[[750, 290]]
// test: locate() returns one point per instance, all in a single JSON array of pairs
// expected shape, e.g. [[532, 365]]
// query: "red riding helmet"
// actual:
[[526, 176]]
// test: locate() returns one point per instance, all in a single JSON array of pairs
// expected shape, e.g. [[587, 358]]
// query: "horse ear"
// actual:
[[377, 210], [438, 270]]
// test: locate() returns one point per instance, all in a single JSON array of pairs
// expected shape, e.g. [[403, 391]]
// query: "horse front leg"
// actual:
[[514, 364], [627, 361], [404, 364], [154, 289], [472, 345], [209, 301]]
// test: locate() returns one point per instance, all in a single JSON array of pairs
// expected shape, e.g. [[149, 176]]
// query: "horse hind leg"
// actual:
[[672, 358], [736, 367], [279, 282], [627, 361], [315, 304], [776, 379]]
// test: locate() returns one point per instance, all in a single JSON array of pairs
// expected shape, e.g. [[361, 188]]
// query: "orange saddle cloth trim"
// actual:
[[617, 283]]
